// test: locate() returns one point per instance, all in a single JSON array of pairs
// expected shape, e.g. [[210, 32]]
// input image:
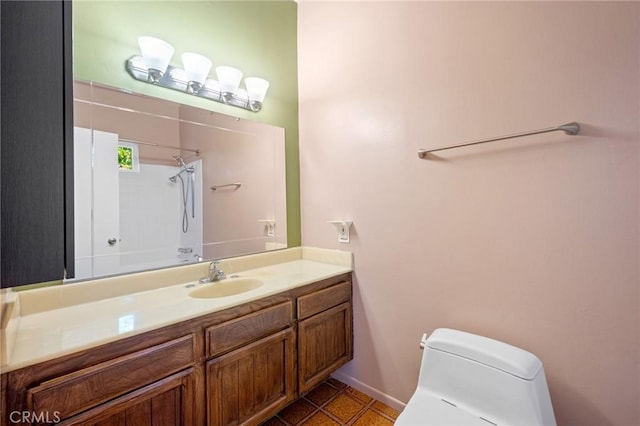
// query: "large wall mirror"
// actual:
[[161, 184]]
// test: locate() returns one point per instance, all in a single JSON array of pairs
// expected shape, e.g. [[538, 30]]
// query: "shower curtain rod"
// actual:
[[570, 129], [157, 145]]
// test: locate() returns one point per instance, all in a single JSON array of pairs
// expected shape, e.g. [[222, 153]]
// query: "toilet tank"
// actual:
[[493, 380]]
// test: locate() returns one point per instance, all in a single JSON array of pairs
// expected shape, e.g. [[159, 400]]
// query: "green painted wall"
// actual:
[[258, 37]]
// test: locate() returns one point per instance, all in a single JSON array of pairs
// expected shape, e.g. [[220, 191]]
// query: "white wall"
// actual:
[[149, 202], [82, 202], [531, 241]]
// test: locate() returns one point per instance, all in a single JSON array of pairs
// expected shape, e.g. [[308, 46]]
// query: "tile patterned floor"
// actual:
[[332, 403]]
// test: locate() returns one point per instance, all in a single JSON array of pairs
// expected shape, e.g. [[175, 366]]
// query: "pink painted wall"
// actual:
[[243, 151], [533, 241], [92, 108]]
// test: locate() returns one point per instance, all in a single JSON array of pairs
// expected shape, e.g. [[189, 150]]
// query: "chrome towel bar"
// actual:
[[236, 184], [569, 128]]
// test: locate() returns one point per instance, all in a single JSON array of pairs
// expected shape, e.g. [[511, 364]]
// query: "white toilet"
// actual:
[[467, 379]]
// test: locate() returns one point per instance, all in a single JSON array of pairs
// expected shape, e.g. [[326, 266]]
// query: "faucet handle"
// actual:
[[216, 273]]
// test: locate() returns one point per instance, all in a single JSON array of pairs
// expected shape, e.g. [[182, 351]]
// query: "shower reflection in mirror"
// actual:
[[187, 191], [129, 199]]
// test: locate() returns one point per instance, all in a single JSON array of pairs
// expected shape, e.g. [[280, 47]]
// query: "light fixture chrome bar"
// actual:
[[236, 184], [570, 129], [171, 79], [157, 145]]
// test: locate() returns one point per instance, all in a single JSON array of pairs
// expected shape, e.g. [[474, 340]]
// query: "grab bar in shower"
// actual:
[[236, 184], [569, 128]]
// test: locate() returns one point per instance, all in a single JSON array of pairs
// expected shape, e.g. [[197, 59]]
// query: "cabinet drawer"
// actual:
[[322, 300], [89, 387], [232, 334], [168, 401]]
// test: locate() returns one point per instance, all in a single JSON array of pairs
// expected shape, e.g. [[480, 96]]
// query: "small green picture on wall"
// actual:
[[125, 158], [128, 157]]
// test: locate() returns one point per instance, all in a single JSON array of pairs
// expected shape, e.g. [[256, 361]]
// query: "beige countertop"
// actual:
[[52, 322]]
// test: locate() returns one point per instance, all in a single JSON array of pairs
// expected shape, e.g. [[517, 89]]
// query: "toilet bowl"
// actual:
[[467, 379]]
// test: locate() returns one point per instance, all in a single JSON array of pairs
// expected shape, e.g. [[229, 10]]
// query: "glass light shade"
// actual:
[[157, 54], [197, 68], [256, 90], [229, 79]]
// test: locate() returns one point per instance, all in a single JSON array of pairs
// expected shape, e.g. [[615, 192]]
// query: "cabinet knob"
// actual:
[[112, 241]]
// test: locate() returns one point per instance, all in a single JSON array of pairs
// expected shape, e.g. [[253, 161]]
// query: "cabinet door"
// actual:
[[325, 342], [167, 402], [106, 204], [250, 384]]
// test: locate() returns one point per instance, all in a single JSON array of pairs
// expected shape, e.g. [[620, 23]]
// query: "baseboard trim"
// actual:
[[372, 392]]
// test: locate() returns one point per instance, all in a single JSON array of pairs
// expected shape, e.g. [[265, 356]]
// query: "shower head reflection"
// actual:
[[190, 170]]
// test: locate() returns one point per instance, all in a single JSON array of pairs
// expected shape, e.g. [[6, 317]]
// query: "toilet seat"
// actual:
[[425, 409]]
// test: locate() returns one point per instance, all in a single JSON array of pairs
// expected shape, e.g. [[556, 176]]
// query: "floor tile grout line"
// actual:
[[319, 410], [283, 420], [335, 418], [330, 399], [313, 411], [355, 416], [304, 419], [367, 407], [382, 413]]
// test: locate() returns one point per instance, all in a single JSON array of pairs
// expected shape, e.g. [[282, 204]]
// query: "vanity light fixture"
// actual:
[[153, 67]]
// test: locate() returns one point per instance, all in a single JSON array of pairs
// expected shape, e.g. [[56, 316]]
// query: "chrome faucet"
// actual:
[[215, 274]]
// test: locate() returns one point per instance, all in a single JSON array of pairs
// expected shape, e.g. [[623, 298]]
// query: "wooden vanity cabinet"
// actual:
[[239, 366], [325, 334], [247, 385]]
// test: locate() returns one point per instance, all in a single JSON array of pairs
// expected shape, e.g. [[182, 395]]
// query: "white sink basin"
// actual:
[[228, 287]]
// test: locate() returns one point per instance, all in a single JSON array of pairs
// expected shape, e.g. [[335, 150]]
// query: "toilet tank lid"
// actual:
[[494, 353]]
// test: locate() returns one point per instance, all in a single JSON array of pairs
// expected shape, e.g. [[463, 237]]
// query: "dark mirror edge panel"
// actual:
[[37, 147], [69, 254]]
